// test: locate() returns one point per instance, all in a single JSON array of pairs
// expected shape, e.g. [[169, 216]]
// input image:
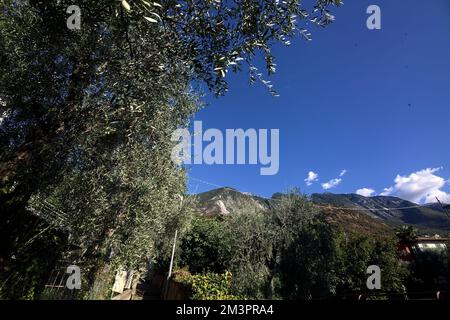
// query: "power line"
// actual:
[[368, 209], [322, 206], [206, 182]]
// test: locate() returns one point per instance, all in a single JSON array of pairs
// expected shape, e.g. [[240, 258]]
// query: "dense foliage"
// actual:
[[203, 248], [356, 253], [292, 252], [208, 286], [430, 272], [87, 115]]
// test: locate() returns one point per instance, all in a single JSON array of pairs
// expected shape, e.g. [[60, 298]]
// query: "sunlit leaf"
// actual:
[[151, 20], [126, 5]]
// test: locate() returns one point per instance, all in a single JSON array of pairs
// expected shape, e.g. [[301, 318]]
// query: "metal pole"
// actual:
[[173, 254], [171, 264]]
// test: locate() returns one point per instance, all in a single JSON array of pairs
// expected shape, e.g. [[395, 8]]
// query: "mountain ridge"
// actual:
[[382, 210]]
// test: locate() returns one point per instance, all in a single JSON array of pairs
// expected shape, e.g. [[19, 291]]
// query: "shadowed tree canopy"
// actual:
[[86, 115], [53, 78]]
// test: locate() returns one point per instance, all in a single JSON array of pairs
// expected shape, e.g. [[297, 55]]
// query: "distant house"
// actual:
[[423, 244], [435, 243]]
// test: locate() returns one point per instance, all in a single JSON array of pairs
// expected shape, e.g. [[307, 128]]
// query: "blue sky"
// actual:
[[373, 102]]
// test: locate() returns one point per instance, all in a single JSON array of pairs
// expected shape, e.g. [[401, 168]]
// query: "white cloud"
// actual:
[[366, 192], [441, 195], [421, 187], [387, 191], [312, 177], [333, 183]]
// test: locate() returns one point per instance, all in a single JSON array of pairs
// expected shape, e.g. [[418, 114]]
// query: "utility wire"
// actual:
[[206, 182], [322, 206], [368, 209]]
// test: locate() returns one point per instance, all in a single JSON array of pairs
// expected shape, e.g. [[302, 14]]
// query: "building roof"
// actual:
[[432, 239]]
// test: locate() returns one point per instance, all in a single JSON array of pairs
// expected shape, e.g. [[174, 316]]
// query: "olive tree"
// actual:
[[87, 115]]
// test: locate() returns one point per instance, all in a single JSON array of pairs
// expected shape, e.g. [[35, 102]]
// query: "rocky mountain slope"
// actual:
[[377, 214], [394, 211], [224, 201]]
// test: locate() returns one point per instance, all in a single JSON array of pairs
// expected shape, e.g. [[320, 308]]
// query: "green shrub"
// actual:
[[209, 286], [204, 248]]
